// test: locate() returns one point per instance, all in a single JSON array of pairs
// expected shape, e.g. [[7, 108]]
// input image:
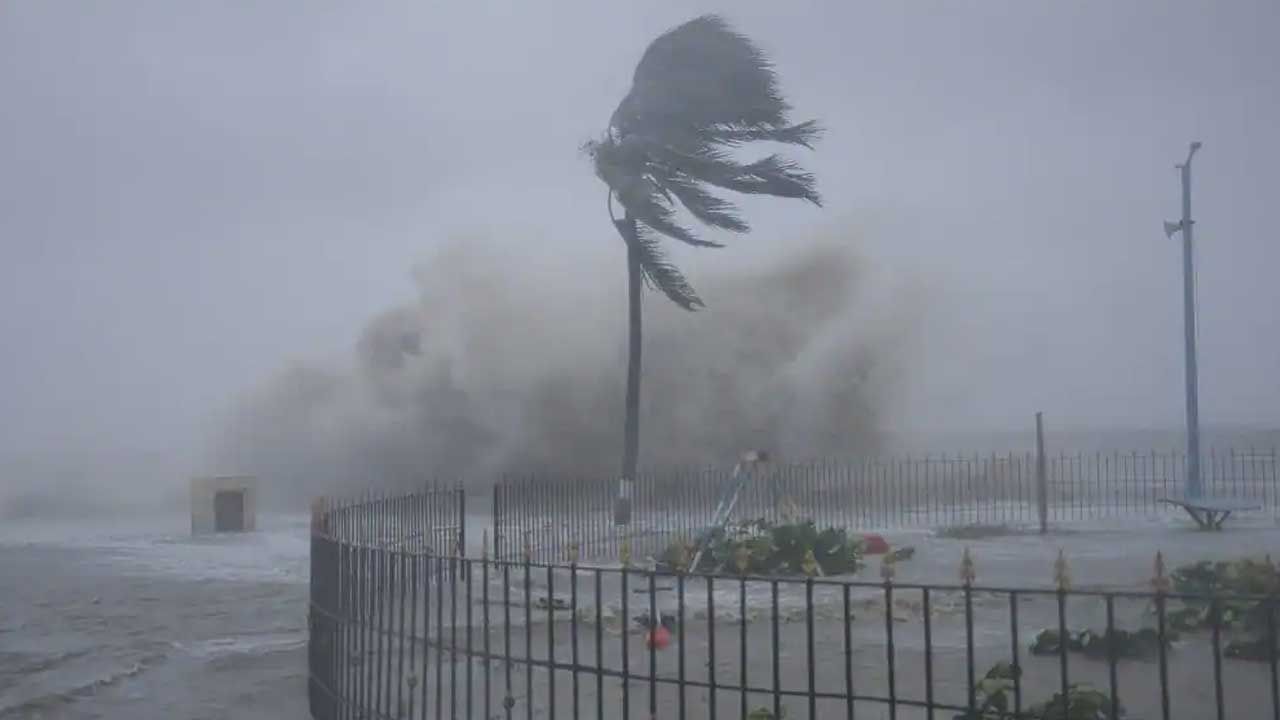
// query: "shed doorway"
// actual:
[[228, 511]]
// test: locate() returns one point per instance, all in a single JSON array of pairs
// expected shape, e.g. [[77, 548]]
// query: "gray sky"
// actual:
[[193, 195]]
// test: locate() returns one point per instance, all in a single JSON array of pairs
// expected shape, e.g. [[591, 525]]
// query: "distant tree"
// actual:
[[700, 92]]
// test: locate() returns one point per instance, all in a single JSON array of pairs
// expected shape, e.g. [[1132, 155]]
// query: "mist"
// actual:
[[209, 216], [490, 372]]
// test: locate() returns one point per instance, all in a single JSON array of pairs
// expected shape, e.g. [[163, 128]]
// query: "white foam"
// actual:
[[255, 644], [279, 551]]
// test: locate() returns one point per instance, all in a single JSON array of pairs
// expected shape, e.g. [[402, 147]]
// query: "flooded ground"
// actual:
[[128, 621], [1103, 556], [144, 621], [545, 617]]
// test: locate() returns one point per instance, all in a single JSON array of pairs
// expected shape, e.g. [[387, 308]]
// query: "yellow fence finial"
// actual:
[[888, 567], [742, 558], [810, 565], [1061, 573], [967, 571], [1160, 581], [683, 555], [574, 550], [624, 552]]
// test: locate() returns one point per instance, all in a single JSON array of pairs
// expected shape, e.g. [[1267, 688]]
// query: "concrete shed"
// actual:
[[226, 503]]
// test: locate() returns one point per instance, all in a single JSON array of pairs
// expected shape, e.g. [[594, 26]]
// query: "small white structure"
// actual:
[[224, 504]]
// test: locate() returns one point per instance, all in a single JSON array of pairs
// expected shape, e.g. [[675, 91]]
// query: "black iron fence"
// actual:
[[550, 513], [432, 520], [401, 630]]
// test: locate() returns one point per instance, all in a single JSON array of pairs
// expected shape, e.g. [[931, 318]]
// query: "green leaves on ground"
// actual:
[[1241, 592], [770, 549], [1228, 580], [995, 691], [1083, 703], [1098, 644], [1244, 594]]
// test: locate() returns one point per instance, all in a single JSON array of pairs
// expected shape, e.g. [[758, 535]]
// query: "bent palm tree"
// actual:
[[700, 92]]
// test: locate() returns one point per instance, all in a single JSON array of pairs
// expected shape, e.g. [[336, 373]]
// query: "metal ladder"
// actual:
[[728, 500]]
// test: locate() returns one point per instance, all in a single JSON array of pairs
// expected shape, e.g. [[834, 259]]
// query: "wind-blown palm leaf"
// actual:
[[712, 210], [658, 271], [772, 175], [806, 133], [647, 201], [714, 137], [777, 176], [699, 92], [699, 75]]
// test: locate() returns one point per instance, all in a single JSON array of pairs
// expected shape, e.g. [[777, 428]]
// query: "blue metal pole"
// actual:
[[1194, 487]]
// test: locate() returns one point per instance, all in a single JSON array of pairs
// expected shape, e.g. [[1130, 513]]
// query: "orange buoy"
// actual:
[[873, 544], [658, 638]]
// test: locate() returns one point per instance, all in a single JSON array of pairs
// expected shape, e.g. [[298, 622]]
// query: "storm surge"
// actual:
[[493, 371]]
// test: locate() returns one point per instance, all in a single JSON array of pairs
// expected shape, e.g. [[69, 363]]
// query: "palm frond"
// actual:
[[777, 176], [659, 272], [709, 209], [699, 74], [804, 134], [687, 140], [623, 168], [646, 203], [700, 91], [772, 175]]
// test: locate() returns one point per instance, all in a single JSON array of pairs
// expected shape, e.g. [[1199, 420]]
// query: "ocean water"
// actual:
[[138, 619]]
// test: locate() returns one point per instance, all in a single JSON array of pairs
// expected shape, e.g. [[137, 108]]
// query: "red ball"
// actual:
[[658, 639]]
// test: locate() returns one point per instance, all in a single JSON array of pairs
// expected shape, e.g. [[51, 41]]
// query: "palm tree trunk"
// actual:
[[631, 430]]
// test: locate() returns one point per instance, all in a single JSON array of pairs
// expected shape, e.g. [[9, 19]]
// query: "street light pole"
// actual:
[[1194, 486]]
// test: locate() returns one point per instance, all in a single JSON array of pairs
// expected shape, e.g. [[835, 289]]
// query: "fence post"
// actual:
[[461, 550], [320, 516], [462, 520], [1042, 480], [497, 521]]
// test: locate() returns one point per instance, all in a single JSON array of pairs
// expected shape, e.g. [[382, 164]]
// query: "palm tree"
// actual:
[[699, 93]]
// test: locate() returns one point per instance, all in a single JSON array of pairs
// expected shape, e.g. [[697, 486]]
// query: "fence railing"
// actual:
[[431, 520], [550, 513], [400, 631]]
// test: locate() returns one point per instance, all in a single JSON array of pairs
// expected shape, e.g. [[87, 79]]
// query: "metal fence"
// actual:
[[353, 544], [400, 631], [432, 520], [549, 513]]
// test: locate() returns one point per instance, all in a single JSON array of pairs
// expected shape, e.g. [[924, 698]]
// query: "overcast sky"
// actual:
[[195, 194]]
